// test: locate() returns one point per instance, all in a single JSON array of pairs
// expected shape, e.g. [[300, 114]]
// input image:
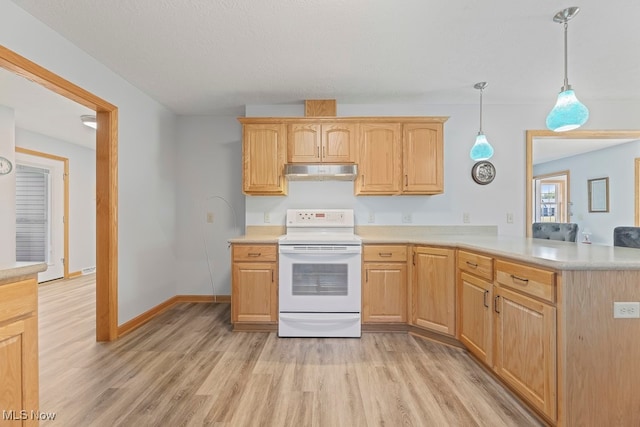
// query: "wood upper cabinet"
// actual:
[[379, 159], [19, 349], [384, 284], [264, 151], [254, 284], [317, 143], [433, 289], [422, 158], [400, 158]]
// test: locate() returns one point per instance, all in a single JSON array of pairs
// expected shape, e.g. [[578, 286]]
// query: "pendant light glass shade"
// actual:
[[568, 113], [481, 150]]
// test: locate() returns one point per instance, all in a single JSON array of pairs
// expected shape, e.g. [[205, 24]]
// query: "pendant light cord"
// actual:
[[480, 132], [566, 62]]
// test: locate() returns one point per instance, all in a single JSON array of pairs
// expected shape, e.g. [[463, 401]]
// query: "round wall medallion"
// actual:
[[5, 166], [483, 172]]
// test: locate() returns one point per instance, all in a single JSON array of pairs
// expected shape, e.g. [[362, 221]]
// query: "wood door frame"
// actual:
[[106, 184], [65, 202]]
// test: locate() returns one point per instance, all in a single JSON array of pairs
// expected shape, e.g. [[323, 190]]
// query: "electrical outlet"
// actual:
[[406, 218], [626, 310], [210, 217], [267, 218], [466, 218], [372, 217], [509, 218]]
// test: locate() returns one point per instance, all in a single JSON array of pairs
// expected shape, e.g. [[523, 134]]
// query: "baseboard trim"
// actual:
[[74, 274], [385, 327], [143, 318]]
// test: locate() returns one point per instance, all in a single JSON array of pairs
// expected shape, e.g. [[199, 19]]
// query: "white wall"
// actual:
[[209, 180], [82, 193], [7, 188], [146, 177], [504, 126], [618, 164]]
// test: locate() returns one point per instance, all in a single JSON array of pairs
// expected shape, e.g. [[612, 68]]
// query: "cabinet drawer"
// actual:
[[384, 253], [479, 265], [254, 252], [529, 280], [18, 299]]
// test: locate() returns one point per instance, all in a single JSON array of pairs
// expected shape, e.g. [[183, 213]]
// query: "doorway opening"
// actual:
[[106, 184], [42, 212]]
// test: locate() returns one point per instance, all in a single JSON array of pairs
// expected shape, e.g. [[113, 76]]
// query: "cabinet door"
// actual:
[[433, 289], [423, 159], [526, 348], [264, 153], [254, 292], [338, 143], [303, 143], [476, 316], [19, 368], [379, 159], [384, 293]]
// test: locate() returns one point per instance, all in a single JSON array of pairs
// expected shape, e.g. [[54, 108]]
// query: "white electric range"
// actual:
[[320, 269]]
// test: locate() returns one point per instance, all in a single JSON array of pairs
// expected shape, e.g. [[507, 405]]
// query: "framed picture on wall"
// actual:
[[598, 194]]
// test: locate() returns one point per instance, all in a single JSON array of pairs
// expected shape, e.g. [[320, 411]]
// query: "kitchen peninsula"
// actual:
[[19, 337], [538, 314]]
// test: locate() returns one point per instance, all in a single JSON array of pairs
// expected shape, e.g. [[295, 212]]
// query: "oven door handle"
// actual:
[[320, 318], [306, 252]]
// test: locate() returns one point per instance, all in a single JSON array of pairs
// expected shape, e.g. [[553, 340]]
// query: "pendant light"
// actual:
[[481, 150], [568, 113]]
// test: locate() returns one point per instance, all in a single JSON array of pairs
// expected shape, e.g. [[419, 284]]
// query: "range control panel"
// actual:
[[320, 217]]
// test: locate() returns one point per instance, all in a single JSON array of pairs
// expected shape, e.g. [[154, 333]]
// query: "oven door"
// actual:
[[319, 278]]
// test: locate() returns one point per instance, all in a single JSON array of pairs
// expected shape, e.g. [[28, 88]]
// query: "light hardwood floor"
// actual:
[[186, 367]]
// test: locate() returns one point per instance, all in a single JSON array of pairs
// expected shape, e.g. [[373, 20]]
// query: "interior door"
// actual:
[[40, 213]]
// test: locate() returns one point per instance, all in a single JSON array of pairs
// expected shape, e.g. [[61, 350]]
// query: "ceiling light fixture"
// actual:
[[481, 150], [90, 121], [569, 113]]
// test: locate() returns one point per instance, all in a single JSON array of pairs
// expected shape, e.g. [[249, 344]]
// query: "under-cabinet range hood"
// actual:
[[320, 172]]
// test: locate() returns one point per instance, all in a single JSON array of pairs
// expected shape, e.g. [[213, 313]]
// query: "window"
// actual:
[[551, 196]]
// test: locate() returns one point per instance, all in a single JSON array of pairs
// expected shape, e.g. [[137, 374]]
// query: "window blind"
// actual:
[[32, 213]]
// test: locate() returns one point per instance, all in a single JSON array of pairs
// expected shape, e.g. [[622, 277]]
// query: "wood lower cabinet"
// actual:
[[433, 289], [19, 351], [476, 316], [509, 323], [384, 284], [525, 350], [264, 151], [254, 284]]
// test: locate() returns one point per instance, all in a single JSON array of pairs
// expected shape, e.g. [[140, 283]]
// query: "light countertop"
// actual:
[[9, 271], [545, 253]]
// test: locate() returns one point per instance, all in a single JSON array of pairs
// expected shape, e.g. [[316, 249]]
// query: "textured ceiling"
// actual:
[[215, 56]]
